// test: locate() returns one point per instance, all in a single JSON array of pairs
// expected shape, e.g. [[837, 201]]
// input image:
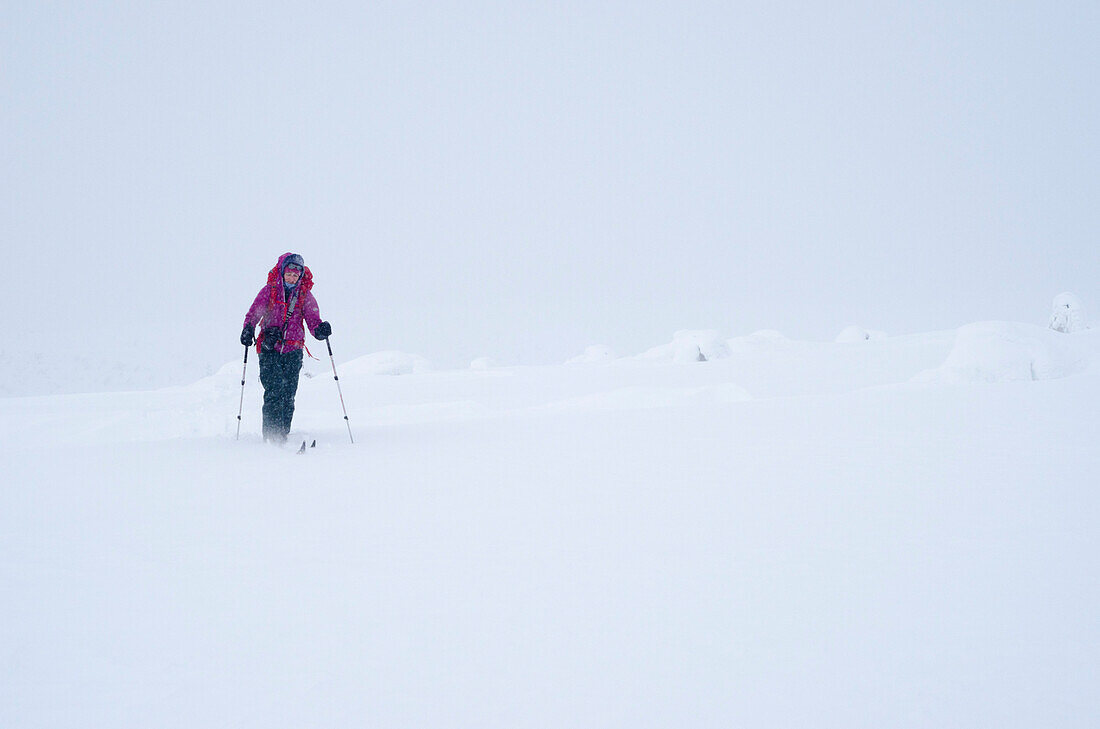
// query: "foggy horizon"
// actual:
[[520, 182]]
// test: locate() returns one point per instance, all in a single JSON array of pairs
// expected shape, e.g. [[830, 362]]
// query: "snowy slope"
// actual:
[[893, 532]]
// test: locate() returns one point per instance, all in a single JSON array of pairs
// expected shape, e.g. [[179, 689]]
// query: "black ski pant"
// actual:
[[279, 376]]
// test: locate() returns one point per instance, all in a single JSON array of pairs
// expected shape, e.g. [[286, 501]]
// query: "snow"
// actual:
[[1068, 314], [593, 354], [789, 534], [58, 370], [759, 340], [854, 334], [1003, 351], [483, 363], [388, 363], [689, 345]]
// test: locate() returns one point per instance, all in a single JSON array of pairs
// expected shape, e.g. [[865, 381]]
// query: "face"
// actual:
[[291, 276]]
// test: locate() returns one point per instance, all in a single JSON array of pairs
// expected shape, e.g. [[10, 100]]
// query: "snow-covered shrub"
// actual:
[[690, 345], [592, 354], [386, 363], [998, 351], [854, 334], [1067, 314]]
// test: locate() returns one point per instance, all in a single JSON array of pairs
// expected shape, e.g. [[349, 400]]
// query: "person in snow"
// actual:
[[280, 308]]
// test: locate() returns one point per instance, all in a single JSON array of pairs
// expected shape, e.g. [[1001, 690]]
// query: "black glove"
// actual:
[[247, 337], [272, 337], [323, 330]]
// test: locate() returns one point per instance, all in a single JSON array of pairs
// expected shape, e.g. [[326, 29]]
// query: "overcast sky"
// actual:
[[519, 180]]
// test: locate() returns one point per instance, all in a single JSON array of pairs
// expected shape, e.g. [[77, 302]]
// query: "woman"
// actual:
[[280, 308]]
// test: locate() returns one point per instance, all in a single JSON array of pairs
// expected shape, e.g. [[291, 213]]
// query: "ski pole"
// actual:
[[337, 378], [241, 408]]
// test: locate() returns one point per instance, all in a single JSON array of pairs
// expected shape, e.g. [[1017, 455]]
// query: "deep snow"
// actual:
[[895, 531]]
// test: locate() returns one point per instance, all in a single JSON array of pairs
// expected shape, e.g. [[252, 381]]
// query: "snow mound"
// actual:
[[758, 340], [227, 378], [232, 369], [593, 354], [690, 345], [855, 334], [997, 351], [483, 363], [1067, 314], [386, 363], [766, 335]]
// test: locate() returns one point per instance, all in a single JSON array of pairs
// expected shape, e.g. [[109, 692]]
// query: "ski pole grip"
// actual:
[[329, 345]]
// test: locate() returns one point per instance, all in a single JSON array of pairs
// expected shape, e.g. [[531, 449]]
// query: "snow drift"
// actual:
[[689, 345], [386, 363], [854, 334], [997, 351], [634, 544], [482, 364], [758, 341], [594, 354]]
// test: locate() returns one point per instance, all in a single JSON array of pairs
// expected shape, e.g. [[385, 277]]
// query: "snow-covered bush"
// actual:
[[593, 354], [854, 334], [386, 363], [690, 345], [998, 351], [1067, 314]]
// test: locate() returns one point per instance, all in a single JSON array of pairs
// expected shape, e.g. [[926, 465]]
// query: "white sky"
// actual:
[[519, 180]]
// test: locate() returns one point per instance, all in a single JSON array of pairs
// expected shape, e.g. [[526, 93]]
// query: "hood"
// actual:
[[275, 275]]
